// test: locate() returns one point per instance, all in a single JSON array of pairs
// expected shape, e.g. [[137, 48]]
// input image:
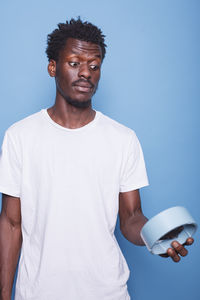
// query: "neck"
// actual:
[[69, 116]]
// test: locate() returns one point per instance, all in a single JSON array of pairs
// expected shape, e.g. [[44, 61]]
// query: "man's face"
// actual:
[[77, 71]]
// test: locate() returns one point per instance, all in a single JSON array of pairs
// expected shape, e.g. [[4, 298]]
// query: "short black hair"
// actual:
[[76, 29]]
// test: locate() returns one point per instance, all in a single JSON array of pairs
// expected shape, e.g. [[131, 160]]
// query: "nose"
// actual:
[[84, 71]]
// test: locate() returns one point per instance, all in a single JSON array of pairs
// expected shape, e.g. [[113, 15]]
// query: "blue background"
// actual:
[[150, 82]]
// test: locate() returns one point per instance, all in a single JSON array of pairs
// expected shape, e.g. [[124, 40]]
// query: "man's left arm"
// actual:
[[132, 220], [131, 217]]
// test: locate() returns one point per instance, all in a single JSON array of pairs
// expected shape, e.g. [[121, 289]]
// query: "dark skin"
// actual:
[[132, 221], [76, 73], [10, 243]]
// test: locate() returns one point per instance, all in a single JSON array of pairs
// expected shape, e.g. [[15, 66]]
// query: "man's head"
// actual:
[[75, 51]]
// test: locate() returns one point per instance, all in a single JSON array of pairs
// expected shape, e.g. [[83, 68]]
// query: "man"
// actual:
[[65, 173]]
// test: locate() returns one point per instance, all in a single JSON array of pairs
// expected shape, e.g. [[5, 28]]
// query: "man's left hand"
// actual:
[[177, 250]]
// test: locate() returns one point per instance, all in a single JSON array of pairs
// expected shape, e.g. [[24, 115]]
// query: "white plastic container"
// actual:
[[163, 223]]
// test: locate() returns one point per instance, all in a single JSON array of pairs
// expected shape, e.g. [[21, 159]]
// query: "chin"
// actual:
[[79, 103]]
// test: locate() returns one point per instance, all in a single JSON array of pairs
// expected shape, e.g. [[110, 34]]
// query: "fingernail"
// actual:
[[175, 244]]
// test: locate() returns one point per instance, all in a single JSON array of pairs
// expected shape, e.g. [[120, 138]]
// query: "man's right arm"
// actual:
[[10, 243]]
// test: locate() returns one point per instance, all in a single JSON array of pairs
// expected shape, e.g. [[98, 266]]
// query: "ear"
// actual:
[[52, 68]]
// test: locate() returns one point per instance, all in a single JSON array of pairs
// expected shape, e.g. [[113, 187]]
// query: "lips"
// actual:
[[84, 87]]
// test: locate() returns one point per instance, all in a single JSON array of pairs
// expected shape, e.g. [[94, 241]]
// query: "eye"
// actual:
[[73, 64], [94, 67]]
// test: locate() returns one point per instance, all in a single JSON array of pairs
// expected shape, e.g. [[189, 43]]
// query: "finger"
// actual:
[[180, 249], [189, 241], [164, 255], [173, 254]]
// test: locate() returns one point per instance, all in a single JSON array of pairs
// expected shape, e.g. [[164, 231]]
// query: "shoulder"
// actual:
[[114, 127], [26, 124]]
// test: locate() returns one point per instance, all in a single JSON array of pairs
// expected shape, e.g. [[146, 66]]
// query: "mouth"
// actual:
[[84, 87]]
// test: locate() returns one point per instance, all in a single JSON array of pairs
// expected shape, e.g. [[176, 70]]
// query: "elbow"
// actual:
[[124, 224]]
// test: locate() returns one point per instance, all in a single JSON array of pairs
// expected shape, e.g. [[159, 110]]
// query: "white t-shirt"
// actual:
[[69, 181]]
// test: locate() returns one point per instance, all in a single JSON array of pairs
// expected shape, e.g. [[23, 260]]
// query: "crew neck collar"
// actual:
[[90, 124]]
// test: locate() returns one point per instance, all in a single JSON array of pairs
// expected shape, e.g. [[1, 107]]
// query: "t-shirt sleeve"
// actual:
[[10, 167], [134, 175]]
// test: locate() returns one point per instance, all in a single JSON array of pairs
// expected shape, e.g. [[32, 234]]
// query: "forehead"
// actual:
[[81, 48]]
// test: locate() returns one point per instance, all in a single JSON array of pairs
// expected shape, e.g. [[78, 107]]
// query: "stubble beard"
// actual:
[[74, 102], [77, 103]]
